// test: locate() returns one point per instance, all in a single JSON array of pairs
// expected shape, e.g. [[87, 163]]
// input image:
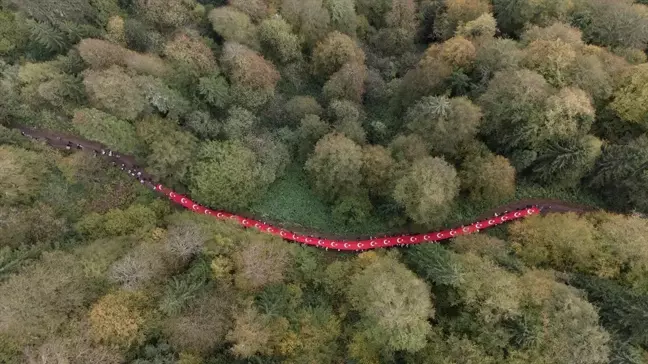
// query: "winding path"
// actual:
[[503, 214]]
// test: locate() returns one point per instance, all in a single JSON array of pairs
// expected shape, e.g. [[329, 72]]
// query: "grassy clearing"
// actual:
[[291, 202]]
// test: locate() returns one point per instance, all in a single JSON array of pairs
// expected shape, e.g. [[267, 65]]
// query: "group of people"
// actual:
[[116, 159]]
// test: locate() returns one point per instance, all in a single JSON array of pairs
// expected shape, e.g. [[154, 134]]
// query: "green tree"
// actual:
[[309, 18], [311, 129], [333, 52], [239, 123], [30, 226], [227, 175], [343, 15], [112, 90], [107, 129], [427, 190], [13, 34], [444, 123], [170, 14], [488, 178], [512, 106], [163, 98], [621, 176], [234, 26], [565, 162], [513, 15], [278, 40], [170, 149], [393, 303], [23, 173], [613, 24], [334, 166], [41, 299], [215, 90], [496, 55]]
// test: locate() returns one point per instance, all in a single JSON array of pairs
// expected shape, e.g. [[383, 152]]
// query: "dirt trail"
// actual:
[[129, 163]]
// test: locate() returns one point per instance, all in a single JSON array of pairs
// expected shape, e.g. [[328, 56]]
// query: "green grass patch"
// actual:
[[290, 202]]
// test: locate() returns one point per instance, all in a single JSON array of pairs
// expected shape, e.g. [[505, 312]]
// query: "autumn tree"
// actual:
[[564, 241], [444, 123], [390, 299], [334, 166], [378, 170], [226, 175], [139, 268], [556, 31], [120, 318], [489, 178], [260, 263], [428, 77], [278, 40], [348, 83], [458, 12], [630, 97], [190, 51], [553, 59], [234, 26], [251, 332], [203, 326], [484, 27], [112, 90], [427, 190], [252, 78], [333, 52], [102, 54], [300, 106], [255, 9]]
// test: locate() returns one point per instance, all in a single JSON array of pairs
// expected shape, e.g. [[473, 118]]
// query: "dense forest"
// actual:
[[344, 117]]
